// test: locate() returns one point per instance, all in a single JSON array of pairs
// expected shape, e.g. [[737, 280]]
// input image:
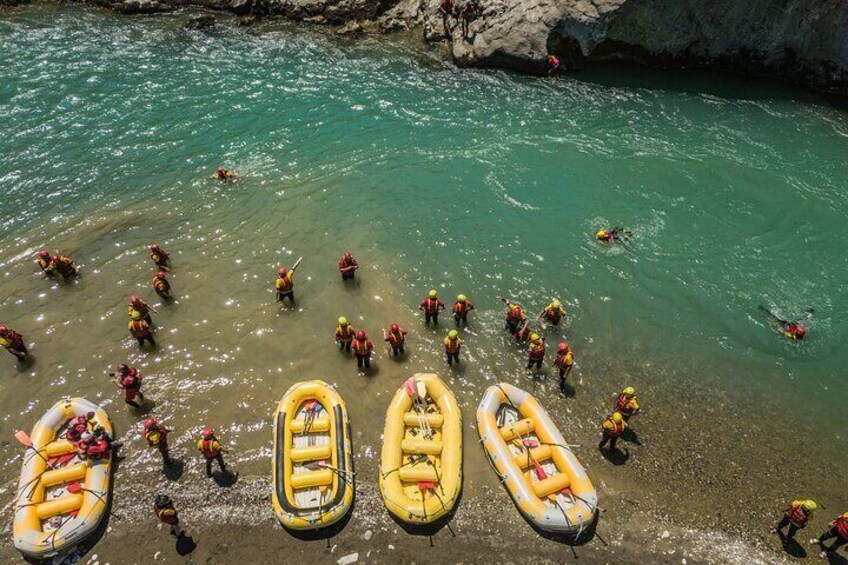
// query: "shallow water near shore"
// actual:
[[484, 183]]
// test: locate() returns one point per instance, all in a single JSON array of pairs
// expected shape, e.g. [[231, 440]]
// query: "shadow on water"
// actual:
[[225, 479], [175, 470], [23, 365], [567, 390], [147, 406]]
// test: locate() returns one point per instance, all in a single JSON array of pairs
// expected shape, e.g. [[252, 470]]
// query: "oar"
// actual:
[[296, 264]]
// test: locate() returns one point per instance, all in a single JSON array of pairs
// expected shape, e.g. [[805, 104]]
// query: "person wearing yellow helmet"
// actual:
[[140, 329], [553, 312], [611, 430], [619, 234], [626, 403], [838, 529], [536, 351], [344, 334], [515, 317], [453, 345], [431, 306], [796, 517], [461, 308], [138, 305]]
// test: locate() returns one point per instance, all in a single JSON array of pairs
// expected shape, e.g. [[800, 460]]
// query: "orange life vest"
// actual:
[[452, 345], [537, 351], [432, 305], [622, 404], [139, 328], [616, 429], [285, 284], [461, 308], [797, 516], [161, 285], [396, 339], [345, 333], [362, 347], [210, 448], [564, 359], [841, 525]]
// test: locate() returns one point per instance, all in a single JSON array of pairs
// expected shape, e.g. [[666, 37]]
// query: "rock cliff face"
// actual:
[[802, 41]]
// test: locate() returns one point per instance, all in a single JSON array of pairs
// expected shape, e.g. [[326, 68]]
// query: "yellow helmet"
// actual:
[[809, 505], [433, 294], [629, 391], [342, 321], [135, 315], [461, 298], [556, 303], [534, 337], [453, 334], [601, 234], [616, 417]]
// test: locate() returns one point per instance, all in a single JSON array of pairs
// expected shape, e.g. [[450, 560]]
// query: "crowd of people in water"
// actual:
[[93, 442]]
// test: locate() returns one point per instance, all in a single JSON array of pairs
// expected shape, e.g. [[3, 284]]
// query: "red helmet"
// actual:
[[562, 346], [360, 334], [150, 423], [55, 258], [282, 272], [134, 298], [208, 432], [220, 169], [801, 331], [3, 329], [122, 368], [347, 255], [154, 247], [395, 328], [161, 275], [44, 254]]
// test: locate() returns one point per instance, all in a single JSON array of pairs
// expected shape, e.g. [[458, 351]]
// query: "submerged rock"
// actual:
[[200, 21]]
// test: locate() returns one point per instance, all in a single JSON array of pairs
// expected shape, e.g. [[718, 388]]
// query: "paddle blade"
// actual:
[[410, 388], [22, 437], [421, 388]]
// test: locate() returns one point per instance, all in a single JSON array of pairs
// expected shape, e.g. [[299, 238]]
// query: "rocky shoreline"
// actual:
[[804, 42]]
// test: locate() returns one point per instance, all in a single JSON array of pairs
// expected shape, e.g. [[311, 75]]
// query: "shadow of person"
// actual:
[[834, 558], [630, 436], [457, 369], [225, 479], [146, 406], [792, 547], [174, 471], [615, 456], [26, 363], [185, 545], [566, 389]]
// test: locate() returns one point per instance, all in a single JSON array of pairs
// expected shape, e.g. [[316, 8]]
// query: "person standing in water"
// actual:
[[348, 267], [431, 306], [626, 403], [211, 449], [564, 362], [137, 305], [128, 379], [536, 353], [222, 174], [453, 345], [838, 529], [165, 512], [792, 330], [159, 257], [45, 262], [611, 430], [162, 286], [514, 315], [362, 349], [13, 342], [64, 265], [553, 312], [461, 308], [396, 336], [607, 236], [141, 330], [284, 284], [344, 334]]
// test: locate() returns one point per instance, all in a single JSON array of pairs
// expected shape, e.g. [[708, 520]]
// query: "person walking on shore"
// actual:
[[796, 517], [396, 336], [446, 9], [162, 286], [536, 353], [284, 284], [431, 306], [156, 436], [461, 308], [564, 362], [13, 342], [611, 430], [362, 349], [838, 529], [128, 379], [453, 345], [348, 267], [468, 13], [211, 449], [159, 257], [626, 403], [344, 334], [166, 513]]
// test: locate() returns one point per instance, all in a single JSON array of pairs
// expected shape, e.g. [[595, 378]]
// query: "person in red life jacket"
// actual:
[[795, 331], [468, 13], [453, 346], [284, 284], [611, 430], [553, 312], [141, 331], [431, 306], [160, 257], [792, 330], [157, 436], [223, 174], [64, 266], [796, 517], [344, 334], [617, 233], [522, 334], [13, 342], [362, 348], [626, 403], [555, 66], [212, 451], [837, 529], [395, 337], [162, 286], [446, 9], [536, 352], [166, 513], [129, 380], [514, 315], [348, 267], [461, 308], [93, 447], [137, 304], [564, 362], [77, 426], [45, 262]]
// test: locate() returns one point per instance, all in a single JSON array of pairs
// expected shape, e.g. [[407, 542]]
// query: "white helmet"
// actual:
[[87, 435]]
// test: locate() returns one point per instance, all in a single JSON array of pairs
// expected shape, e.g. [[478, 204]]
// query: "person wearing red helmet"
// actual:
[[515, 316], [223, 174], [128, 379], [284, 284], [160, 257], [211, 449], [564, 362], [13, 342], [78, 425], [362, 348], [395, 337], [348, 266], [793, 330], [156, 436], [64, 265], [162, 286], [139, 309], [45, 262]]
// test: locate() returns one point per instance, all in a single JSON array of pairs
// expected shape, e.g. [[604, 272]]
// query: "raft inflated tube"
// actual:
[[312, 463], [562, 499], [421, 460], [81, 513]]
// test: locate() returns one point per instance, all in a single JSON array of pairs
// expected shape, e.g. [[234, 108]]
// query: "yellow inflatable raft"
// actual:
[[421, 463], [61, 498], [312, 464], [546, 481]]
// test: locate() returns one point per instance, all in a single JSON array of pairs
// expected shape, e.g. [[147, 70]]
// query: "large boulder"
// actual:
[[199, 21]]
